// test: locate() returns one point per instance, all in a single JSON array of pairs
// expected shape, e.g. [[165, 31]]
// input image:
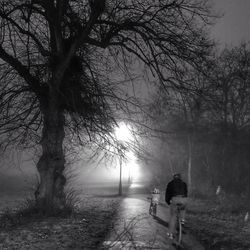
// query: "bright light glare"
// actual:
[[123, 133], [132, 166], [129, 169], [136, 185], [134, 172]]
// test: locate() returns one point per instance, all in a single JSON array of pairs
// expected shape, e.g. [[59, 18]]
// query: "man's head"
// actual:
[[177, 176]]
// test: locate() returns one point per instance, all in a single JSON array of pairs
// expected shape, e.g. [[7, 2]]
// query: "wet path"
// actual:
[[136, 229]]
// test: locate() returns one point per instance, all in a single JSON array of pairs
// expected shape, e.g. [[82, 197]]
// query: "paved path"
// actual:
[[136, 229]]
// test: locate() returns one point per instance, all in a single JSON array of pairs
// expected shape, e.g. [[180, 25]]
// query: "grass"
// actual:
[[220, 222], [85, 228], [25, 209]]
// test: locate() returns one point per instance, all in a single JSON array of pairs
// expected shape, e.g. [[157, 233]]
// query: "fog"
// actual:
[[18, 171]]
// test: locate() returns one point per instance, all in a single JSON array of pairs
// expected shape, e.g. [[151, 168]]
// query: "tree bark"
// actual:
[[50, 194], [189, 162]]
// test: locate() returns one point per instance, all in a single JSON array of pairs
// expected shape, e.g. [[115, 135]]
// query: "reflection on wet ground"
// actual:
[[135, 228]]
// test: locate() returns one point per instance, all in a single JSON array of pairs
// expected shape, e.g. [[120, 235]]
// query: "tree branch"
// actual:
[[21, 69]]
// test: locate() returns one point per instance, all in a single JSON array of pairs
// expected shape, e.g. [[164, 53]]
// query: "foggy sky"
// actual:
[[234, 27], [229, 30]]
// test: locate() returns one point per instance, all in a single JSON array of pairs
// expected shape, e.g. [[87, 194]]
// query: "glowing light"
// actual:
[[123, 133], [135, 172], [136, 185], [130, 171], [132, 166], [128, 167]]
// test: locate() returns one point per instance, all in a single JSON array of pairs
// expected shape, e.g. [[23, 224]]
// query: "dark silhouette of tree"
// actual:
[[229, 115], [204, 129], [58, 58]]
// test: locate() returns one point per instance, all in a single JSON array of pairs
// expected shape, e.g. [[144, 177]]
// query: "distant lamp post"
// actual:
[[121, 151], [129, 176], [123, 135]]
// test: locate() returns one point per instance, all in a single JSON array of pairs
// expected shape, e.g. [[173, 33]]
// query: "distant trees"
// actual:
[[60, 62], [230, 85], [209, 122], [230, 116]]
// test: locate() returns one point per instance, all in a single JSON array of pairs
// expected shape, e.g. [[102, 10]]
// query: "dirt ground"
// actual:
[[220, 224], [86, 229]]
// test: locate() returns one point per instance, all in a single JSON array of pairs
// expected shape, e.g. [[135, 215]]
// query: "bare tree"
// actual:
[[209, 118], [229, 114], [59, 66]]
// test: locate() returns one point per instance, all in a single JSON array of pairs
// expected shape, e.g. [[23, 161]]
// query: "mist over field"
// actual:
[[19, 177]]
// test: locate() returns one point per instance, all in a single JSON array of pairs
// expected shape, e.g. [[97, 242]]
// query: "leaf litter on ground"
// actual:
[[84, 229], [220, 224]]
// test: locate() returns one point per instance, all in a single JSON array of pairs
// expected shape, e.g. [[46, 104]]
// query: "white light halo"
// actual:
[[123, 132], [130, 168]]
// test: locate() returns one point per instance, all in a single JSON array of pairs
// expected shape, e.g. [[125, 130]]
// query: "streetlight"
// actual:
[[131, 167], [129, 176], [121, 151], [123, 135]]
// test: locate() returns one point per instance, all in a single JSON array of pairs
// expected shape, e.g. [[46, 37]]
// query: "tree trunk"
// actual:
[[189, 162], [50, 195]]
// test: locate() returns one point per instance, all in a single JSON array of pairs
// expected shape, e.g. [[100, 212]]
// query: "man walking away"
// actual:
[[176, 193]]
